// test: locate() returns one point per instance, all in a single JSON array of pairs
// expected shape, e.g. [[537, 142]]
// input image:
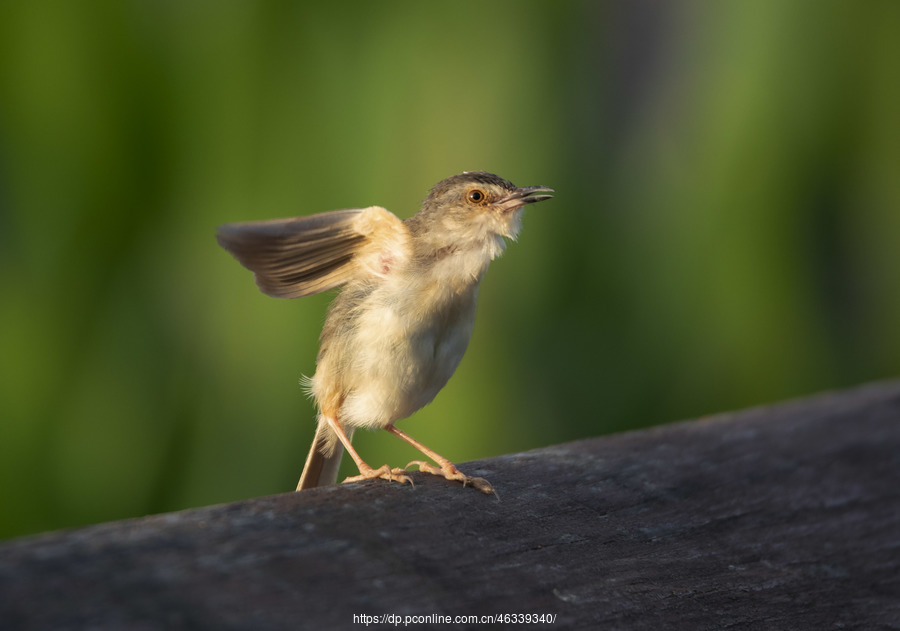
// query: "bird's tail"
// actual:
[[324, 459]]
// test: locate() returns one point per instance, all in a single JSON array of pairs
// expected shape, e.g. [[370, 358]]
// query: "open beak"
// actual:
[[521, 196]]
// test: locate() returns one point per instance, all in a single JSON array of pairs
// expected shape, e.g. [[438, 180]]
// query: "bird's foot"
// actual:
[[384, 472], [450, 472]]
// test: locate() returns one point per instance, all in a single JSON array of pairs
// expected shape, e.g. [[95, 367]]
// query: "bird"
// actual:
[[401, 322]]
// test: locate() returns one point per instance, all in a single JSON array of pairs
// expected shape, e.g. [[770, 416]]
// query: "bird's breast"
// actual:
[[407, 346]]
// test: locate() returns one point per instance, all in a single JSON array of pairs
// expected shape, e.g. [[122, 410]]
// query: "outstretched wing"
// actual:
[[301, 256]]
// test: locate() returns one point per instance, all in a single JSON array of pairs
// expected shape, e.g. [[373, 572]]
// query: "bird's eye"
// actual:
[[476, 196]]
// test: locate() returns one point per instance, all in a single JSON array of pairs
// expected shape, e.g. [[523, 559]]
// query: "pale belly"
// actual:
[[401, 363]]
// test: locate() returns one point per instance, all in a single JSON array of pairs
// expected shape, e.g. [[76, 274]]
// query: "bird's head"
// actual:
[[475, 208]]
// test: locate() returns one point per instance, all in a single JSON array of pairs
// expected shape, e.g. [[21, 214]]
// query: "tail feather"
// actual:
[[321, 469]]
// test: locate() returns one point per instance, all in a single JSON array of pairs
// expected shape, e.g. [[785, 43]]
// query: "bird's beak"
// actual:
[[521, 196]]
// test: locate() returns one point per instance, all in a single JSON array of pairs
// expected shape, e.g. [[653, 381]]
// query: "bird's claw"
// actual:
[[384, 472], [450, 472]]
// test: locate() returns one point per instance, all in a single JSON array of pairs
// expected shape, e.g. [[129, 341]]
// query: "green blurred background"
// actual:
[[726, 230]]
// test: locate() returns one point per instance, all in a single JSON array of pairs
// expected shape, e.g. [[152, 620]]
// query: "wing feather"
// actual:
[[301, 256]]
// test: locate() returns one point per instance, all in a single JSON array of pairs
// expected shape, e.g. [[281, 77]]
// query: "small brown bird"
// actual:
[[399, 328]]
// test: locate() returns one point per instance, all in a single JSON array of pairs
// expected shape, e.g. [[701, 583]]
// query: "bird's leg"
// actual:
[[445, 469], [365, 471]]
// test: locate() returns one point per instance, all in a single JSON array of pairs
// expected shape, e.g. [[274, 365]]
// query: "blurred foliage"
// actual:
[[725, 232]]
